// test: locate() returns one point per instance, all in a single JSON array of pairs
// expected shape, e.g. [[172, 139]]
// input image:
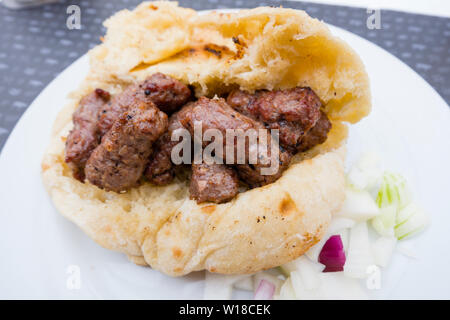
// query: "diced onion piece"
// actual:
[[297, 283], [344, 233], [265, 275], [393, 196], [333, 255], [384, 224], [393, 191], [298, 263], [309, 272], [332, 286], [382, 250], [287, 268], [411, 220], [337, 225], [287, 291], [244, 284], [366, 173], [265, 290], [358, 205], [219, 286], [359, 256]]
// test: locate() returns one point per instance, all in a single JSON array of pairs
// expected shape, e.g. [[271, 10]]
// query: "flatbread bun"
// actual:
[[262, 48]]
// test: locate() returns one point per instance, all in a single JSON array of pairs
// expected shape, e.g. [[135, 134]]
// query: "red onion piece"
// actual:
[[265, 290], [333, 255]]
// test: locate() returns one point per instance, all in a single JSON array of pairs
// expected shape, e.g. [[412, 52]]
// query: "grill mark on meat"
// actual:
[[118, 162], [85, 136]]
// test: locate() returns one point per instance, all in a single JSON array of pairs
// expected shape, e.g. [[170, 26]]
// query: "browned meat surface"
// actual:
[[160, 170], [113, 138], [292, 111], [217, 114], [252, 175], [118, 162], [317, 135], [85, 135], [214, 183], [166, 93]]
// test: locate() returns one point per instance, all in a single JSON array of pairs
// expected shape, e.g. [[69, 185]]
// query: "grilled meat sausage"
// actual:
[[213, 182], [217, 114], [317, 135], [160, 169], [118, 162], [166, 93], [292, 111], [132, 126], [85, 135]]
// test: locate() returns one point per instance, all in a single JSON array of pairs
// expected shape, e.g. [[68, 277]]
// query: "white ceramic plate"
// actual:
[[409, 127]]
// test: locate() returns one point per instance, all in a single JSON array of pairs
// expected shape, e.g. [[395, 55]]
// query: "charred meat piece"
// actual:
[[119, 161], [253, 177], [293, 111], [160, 170], [166, 93], [214, 183], [317, 135], [217, 114], [85, 135]]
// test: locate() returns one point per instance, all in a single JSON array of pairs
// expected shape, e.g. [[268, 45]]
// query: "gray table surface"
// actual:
[[36, 45]]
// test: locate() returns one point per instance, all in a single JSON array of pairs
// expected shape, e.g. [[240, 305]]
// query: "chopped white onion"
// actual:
[[265, 290], [358, 206], [384, 223], [337, 224], [366, 173], [245, 284], [220, 286], [410, 220], [344, 233], [393, 190], [287, 291], [309, 272], [359, 256], [296, 264], [265, 275], [333, 285]]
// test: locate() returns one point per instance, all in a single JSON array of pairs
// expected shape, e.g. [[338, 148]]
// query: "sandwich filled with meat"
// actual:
[[208, 141]]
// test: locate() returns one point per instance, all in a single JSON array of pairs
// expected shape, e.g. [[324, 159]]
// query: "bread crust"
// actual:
[[260, 228]]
